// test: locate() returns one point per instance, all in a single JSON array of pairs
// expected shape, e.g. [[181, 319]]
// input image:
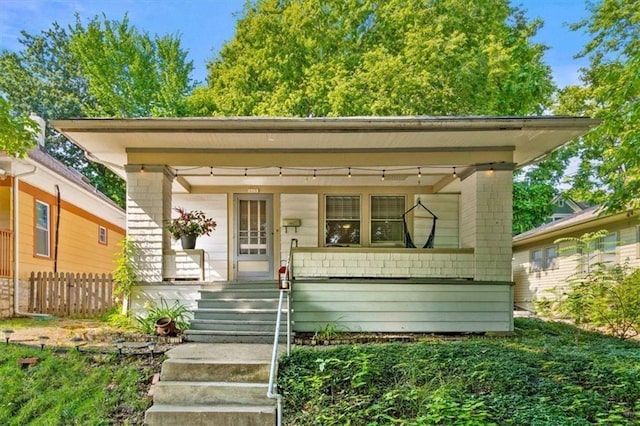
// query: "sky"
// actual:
[[204, 25]]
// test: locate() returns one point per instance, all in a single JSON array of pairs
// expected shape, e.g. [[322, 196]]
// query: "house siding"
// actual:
[[305, 208], [78, 249], [446, 207], [216, 258], [531, 286], [392, 306]]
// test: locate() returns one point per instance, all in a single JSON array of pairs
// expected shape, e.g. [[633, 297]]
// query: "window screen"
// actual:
[[342, 220], [386, 219]]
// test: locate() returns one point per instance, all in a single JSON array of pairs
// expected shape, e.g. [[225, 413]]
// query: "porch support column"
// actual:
[[148, 209], [487, 214]]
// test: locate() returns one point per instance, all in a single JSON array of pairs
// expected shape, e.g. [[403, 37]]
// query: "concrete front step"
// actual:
[[232, 313], [213, 384], [240, 325], [238, 303], [203, 369], [219, 415], [258, 293], [234, 336], [210, 393]]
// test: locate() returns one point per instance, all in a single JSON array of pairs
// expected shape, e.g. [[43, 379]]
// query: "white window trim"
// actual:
[[47, 229], [104, 241]]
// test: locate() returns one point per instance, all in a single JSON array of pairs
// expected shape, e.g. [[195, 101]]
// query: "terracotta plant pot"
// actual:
[[165, 326]]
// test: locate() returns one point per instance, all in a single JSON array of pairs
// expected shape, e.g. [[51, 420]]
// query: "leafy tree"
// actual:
[[347, 58], [129, 73], [609, 170], [16, 131], [104, 68]]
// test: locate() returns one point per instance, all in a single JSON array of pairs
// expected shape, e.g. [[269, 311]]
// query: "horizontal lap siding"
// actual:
[[402, 307]]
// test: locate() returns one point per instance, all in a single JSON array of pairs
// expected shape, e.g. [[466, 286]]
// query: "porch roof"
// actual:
[[365, 144]]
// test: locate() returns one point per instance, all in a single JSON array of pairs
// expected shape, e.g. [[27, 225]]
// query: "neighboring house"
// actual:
[[339, 186], [564, 206], [541, 266], [57, 222]]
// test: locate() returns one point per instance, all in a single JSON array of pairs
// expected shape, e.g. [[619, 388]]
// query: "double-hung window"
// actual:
[[544, 259], [342, 220], [607, 246], [386, 219], [42, 231]]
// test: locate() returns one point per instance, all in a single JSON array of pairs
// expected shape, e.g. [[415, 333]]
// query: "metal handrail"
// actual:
[[271, 389]]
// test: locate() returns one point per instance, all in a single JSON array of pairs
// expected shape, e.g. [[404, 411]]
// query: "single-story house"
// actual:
[[51, 220], [541, 266], [351, 192]]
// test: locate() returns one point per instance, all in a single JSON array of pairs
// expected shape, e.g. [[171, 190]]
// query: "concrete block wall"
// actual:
[[148, 207], [326, 264], [6, 297]]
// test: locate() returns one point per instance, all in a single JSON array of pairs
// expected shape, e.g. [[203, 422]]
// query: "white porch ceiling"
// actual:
[[399, 145]]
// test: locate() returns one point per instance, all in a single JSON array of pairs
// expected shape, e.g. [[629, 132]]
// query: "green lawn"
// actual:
[[547, 374], [73, 388]]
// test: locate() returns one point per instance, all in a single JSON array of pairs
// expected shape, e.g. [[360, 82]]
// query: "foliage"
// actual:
[[128, 73], [540, 376], [72, 388], [534, 189], [330, 331], [125, 275], [17, 132], [597, 294], [350, 58], [178, 312], [45, 79], [104, 68], [609, 170], [192, 222], [117, 319]]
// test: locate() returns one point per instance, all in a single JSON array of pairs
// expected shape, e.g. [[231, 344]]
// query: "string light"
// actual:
[[455, 175], [142, 168], [280, 173], [419, 173], [175, 175], [349, 175], [382, 177], [211, 171], [314, 173], [245, 172]]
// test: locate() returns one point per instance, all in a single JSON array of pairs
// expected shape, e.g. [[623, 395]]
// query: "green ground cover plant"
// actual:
[[73, 388], [548, 373]]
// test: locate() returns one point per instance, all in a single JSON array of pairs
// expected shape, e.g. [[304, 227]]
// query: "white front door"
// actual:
[[254, 236]]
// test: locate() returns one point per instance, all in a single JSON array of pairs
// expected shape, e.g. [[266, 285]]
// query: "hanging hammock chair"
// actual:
[[408, 241]]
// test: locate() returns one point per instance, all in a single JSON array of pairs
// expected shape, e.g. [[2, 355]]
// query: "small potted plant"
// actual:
[[189, 225]]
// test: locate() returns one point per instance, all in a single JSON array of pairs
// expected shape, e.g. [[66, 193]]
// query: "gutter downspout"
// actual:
[[16, 245]]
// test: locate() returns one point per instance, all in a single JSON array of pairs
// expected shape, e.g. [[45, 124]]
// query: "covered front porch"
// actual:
[[339, 186]]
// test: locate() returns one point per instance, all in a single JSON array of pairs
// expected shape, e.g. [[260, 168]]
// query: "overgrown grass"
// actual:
[[73, 388], [547, 374]]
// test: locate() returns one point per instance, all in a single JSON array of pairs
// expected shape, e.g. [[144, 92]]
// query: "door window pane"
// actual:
[[342, 220], [42, 228], [252, 238]]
